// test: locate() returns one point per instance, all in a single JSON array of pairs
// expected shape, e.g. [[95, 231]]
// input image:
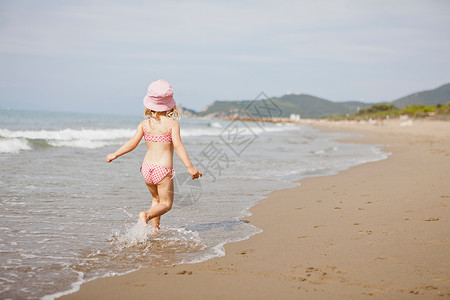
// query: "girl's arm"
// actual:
[[181, 151], [129, 145]]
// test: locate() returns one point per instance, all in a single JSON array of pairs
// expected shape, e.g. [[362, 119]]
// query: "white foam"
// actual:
[[135, 235], [185, 132], [69, 134], [139, 234], [322, 151], [29, 256], [75, 287], [15, 141], [13, 145], [242, 128], [7, 280], [88, 144]]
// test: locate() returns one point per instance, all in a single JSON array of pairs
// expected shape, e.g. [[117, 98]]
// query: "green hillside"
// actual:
[[441, 95], [308, 106], [386, 111], [224, 108]]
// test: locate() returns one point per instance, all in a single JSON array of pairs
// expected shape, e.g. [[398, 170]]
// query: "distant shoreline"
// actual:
[[331, 121]]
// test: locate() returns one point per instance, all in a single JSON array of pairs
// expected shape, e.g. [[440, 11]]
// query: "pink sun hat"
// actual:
[[159, 96]]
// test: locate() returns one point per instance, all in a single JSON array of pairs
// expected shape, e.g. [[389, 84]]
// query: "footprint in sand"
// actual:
[[432, 220], [296, 267], [245, 252], [184, 272], [316, 275], [304, 236], [381, 258], [430, 287], [311, 269]]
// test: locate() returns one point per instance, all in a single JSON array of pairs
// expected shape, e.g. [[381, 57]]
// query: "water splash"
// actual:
[[146, 235]]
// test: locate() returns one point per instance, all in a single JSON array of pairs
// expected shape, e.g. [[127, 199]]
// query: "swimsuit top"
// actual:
[[159, 138]]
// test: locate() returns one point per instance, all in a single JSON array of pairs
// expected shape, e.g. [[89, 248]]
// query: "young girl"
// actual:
[[162, 135]]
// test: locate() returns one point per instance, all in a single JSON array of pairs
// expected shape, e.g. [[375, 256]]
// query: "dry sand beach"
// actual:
[[378, 231]]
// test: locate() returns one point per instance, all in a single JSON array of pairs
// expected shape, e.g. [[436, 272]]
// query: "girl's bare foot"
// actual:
[[154, 233], [143, 217]]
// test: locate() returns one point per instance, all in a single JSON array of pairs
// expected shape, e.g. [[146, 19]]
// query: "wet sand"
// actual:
[[378, 231]]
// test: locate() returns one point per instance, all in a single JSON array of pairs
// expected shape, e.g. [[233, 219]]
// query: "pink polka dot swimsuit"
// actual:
[[165, 138], [154, 173]]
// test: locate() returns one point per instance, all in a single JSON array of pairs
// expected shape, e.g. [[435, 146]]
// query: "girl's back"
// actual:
[[158, 137]]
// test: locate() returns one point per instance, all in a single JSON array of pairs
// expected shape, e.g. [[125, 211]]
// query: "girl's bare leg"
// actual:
[[162, 194], [155, 200], [155, 220]]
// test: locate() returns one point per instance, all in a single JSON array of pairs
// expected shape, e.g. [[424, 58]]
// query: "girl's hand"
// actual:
[[110, 157], [194, 172]]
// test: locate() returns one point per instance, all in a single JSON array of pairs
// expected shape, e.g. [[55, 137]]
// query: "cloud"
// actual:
[[279, 45], [346, 30]]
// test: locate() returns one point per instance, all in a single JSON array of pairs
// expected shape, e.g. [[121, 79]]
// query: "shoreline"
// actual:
[[334, 236]]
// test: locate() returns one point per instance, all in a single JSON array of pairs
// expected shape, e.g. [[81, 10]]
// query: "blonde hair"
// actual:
[[171, 113]]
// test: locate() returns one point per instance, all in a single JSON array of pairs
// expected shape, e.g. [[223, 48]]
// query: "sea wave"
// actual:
[[13, 145], [238, 127], [20, 140], [68, 134], [14, 141]]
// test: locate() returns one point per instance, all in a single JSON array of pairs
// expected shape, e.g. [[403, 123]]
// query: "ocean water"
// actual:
[[67, 217]]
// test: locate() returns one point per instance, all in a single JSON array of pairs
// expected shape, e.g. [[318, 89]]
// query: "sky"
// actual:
[[100, 56]]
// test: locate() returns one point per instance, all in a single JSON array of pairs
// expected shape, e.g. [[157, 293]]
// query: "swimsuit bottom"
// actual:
[[153, 173]]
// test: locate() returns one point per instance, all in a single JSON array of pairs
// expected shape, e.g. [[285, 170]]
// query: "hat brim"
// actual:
[[150, 103]]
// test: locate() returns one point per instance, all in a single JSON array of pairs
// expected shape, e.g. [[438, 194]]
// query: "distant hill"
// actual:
[[308, 106], [432, 97], [186, 112], [224, 108]]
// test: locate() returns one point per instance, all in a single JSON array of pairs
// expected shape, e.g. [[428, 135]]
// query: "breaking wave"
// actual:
[[14, 141], [20, 140]]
